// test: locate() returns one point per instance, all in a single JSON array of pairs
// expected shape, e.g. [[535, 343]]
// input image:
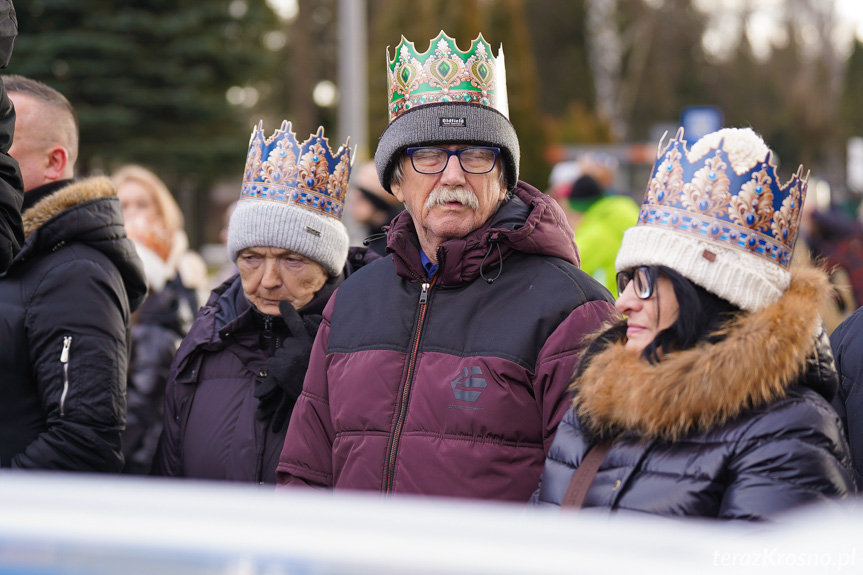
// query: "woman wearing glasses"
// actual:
[[711, 397]]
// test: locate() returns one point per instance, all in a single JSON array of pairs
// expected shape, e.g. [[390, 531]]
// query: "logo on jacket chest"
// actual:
[[467, 385]]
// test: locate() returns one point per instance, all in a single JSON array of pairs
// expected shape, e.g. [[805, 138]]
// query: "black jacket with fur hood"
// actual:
[[739, 429], [64, 326]]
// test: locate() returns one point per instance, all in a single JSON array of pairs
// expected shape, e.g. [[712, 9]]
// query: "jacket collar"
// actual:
[[58, 197], [36, 195], [763, 354], [86, 212], [229, 310], [530, 222]]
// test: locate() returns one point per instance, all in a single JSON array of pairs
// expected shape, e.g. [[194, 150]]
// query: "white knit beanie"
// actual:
[[718, 215], [293, 198]]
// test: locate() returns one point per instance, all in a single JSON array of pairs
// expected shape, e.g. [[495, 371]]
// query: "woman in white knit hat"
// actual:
[[711, 396], [240, 369]]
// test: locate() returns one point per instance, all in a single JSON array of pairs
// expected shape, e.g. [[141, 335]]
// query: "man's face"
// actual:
[[29, 146], [450, 204]]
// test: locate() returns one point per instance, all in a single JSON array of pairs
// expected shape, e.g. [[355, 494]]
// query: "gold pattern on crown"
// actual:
[[705, 197], [708, 191], [309, 175], [445, 74]]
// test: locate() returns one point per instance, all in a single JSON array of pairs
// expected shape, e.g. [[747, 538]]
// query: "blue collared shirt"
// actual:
[[430, 267]]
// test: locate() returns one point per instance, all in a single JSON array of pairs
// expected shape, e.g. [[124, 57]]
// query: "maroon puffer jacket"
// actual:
[[452, 386]]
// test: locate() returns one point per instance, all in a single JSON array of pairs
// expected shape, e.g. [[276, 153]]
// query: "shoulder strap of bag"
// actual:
[[584, 474]]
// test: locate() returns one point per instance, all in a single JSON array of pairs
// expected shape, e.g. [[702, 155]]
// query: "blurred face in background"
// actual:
[[139, 205], [360, 208], [270, 275]]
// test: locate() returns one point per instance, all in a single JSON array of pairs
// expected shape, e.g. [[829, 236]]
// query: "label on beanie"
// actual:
[[453, 122]]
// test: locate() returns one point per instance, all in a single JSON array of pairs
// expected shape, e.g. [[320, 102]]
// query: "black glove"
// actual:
[[278, 391]]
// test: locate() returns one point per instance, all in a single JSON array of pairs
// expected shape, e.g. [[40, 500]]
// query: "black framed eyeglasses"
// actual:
[[473, 160], [644, 281]]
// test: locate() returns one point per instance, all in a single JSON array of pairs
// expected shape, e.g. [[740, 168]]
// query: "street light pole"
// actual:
[[353, 77]]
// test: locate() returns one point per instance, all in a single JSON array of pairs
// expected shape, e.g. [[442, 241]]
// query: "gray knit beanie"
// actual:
[[445, 96], [293, 198], [718, 215], [444, 124]]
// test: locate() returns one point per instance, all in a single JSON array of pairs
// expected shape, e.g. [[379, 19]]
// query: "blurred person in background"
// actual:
[[175, 277], [238, 372], [441, 369], [836, 239], [154, 220], [711, 397], [597, 215], [816, 226], [65, 301], [11, 185], [371, 206]]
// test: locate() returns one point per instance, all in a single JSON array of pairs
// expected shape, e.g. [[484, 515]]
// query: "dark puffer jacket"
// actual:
[[64, 326], [210, 426], [159, 326], [847, 343], [740, 429], [452, 386], [11, 184]]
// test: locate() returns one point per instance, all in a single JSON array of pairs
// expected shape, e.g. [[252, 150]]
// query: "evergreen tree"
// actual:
[[148, 78]]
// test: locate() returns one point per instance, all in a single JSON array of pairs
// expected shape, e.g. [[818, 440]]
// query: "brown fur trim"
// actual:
[[761, 356], [64, 198]]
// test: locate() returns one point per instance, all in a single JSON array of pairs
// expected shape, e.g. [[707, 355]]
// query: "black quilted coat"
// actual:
[[740, 429], [847, 343], [65, 306]]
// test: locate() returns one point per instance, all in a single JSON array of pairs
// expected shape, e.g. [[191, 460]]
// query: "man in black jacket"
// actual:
[[65, 301]]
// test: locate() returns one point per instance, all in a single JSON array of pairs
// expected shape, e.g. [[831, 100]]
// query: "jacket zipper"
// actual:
[[64, 359], [406, 389]]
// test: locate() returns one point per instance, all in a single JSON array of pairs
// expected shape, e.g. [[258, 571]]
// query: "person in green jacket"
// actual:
[[599, 219]]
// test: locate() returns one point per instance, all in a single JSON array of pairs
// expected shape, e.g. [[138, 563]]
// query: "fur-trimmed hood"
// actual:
[[67, 197], [763, 353], [85, 212]]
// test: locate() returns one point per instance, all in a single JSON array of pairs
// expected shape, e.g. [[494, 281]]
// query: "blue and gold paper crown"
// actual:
[[736, 202], [445, 74], [308, 175]]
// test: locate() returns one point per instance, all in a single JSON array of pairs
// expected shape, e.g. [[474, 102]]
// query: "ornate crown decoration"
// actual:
[[308, 175], [726, 199], [445, 74]]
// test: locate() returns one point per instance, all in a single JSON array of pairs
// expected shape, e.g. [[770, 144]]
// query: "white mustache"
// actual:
[[452, 194]]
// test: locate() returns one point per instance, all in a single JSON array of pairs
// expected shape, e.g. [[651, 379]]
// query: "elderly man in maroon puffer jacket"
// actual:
[[442, 369]]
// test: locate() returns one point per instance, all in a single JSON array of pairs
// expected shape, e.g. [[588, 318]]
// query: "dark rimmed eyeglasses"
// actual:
[[473, 160], [644, 281]]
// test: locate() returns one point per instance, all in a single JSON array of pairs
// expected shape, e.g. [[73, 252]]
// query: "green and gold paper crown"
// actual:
[[445, 74]]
